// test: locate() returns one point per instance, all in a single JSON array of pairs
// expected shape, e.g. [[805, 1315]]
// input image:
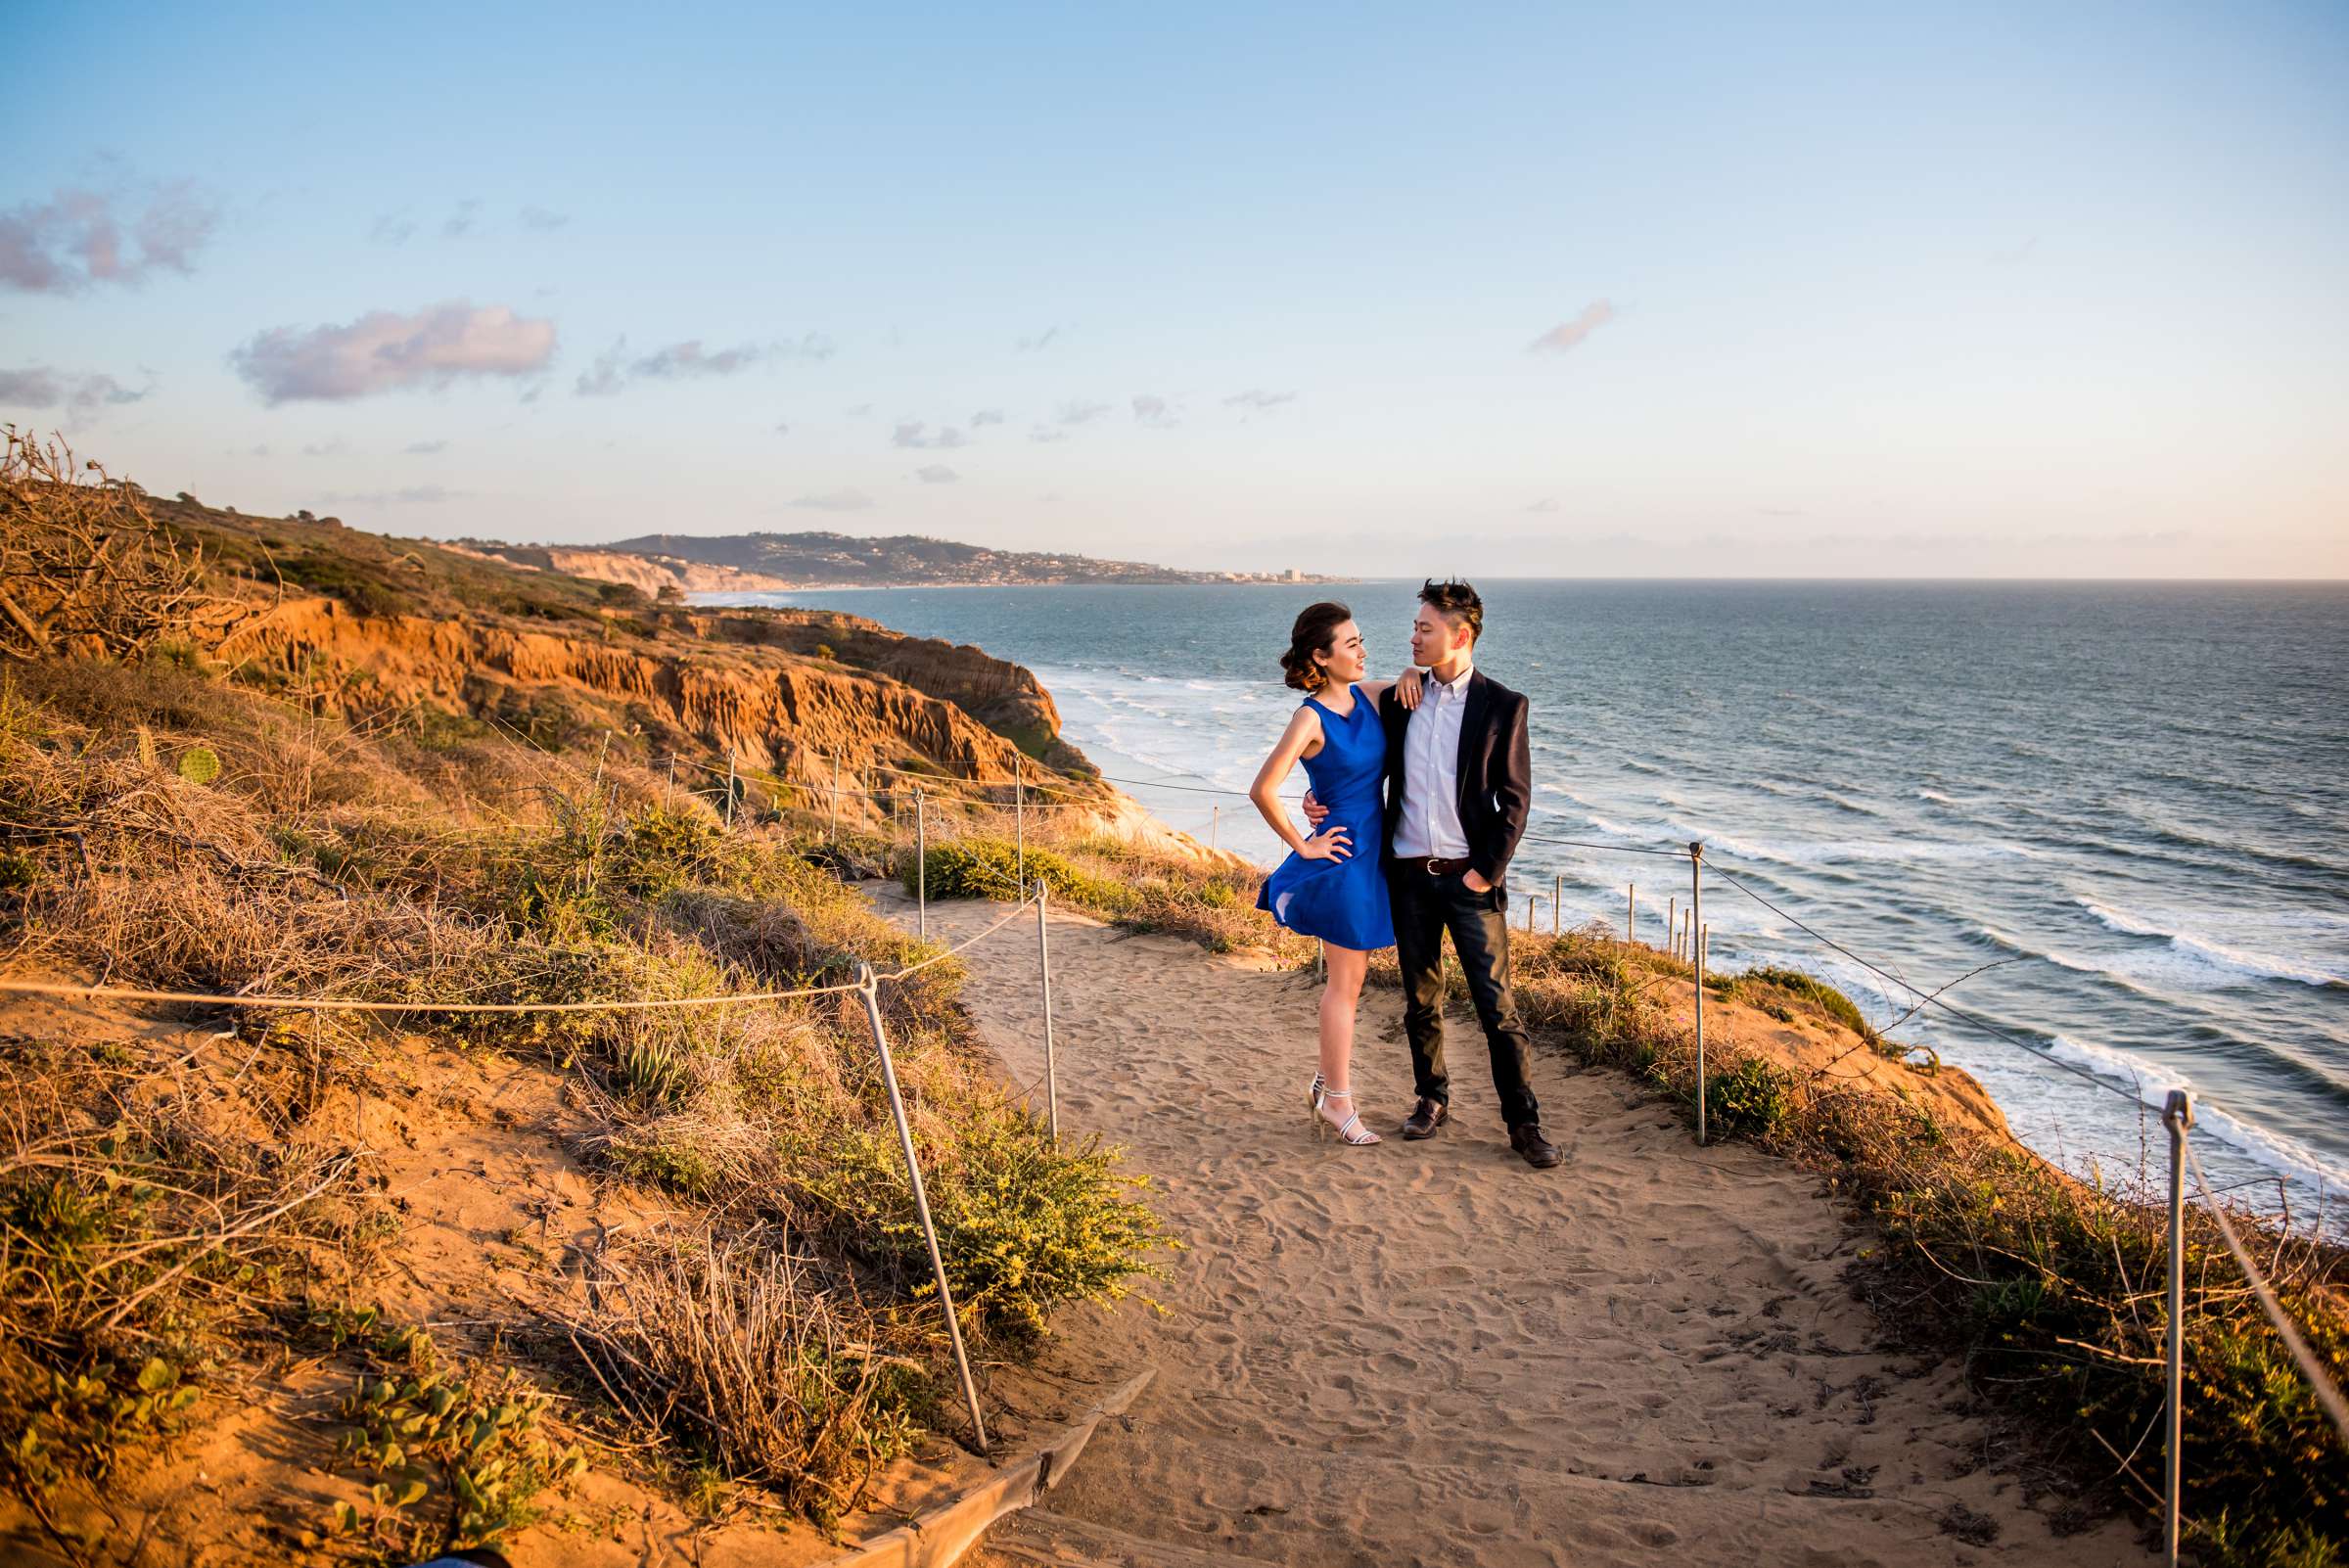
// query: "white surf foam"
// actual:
[[2152, 1084], [2229, 964]]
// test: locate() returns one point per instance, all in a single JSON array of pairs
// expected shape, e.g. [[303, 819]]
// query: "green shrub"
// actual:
[[459, 1457], [1834, 1003], [1024, 1227], [1748, 1098], [989, 868]]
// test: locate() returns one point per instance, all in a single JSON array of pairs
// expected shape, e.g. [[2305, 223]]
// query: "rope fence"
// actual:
[[1687, 937]]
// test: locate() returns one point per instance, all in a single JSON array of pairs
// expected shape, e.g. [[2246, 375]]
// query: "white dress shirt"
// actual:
[[1431, 772]]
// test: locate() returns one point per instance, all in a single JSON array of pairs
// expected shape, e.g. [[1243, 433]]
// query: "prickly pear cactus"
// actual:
[[146, 747], [199, 765]]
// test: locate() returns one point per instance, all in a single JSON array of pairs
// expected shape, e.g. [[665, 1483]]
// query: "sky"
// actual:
[[1912, 290]]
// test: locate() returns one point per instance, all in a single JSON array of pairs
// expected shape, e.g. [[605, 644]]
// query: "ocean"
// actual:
[[2126, 805]]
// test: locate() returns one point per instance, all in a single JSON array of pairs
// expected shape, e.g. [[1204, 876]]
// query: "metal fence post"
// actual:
[[1557, 903], [832, 825], [921, 861], [1019, 815], [730, 787], [1696, 904], [2176, 1115], [1214, 825], [1672, 920], [1044, 966], [870, 990], [1630, 910]]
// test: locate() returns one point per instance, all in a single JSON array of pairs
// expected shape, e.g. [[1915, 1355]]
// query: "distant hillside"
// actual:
[[840, 560]]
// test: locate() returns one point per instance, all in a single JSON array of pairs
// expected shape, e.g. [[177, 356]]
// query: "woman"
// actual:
[[1325, 888]]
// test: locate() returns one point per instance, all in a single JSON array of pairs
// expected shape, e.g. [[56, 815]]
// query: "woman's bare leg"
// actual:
[[1339, 998]]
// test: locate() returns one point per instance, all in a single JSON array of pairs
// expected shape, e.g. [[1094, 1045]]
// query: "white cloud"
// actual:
[[935, 474], [1571, 334], [76, 238], [80, 395], [385, 351], [689, 360], [915, 435]]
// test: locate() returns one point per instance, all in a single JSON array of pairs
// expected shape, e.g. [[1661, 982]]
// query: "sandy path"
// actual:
[[1429, 1353]]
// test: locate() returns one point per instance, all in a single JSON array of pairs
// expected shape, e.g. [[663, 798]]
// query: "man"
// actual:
[[1458, 782]]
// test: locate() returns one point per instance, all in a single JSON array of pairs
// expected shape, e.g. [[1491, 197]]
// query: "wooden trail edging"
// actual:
[[943, 1534]]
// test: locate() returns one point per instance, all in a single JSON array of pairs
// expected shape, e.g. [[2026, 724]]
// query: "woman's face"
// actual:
[[1346, 659]]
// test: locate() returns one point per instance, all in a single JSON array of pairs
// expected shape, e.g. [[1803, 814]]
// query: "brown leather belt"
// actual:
[[1430, 864]]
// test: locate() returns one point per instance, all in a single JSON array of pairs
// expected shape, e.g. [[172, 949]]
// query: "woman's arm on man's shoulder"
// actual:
[[1406, 686]]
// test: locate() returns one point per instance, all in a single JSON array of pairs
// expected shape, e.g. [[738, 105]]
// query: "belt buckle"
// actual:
[[1430, 867]]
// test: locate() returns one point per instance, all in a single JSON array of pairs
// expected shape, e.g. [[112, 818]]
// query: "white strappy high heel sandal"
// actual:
[[1350, 1130]]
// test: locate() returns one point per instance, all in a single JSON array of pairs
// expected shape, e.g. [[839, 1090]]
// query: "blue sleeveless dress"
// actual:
[[1344, 902]]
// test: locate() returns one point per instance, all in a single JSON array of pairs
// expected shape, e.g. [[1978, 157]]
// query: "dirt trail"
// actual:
[[1429, 1353]]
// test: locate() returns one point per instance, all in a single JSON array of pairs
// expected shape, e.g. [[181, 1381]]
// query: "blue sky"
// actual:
[[1905, 290]]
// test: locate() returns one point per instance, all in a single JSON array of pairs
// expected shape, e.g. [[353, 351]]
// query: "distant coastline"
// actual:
[[830, 562]]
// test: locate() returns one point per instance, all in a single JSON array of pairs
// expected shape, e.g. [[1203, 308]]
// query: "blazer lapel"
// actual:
[[1472, 741], [1397, 721]]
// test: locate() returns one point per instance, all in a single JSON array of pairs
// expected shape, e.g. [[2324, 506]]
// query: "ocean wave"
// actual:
[[2152, 1084], [1817, 851], [2193, 838], [2237, 962], [1638, 767], [1936, 797]]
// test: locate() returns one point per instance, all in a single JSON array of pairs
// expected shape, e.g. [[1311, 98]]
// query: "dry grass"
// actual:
[[740, 1347], [83, 566], [320, 857]]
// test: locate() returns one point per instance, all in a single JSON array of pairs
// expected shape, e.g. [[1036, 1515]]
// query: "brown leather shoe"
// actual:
[[1425, 1118], [1539, 1151]]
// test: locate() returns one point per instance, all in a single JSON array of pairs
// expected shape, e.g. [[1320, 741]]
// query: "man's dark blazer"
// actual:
[[1496, 772]]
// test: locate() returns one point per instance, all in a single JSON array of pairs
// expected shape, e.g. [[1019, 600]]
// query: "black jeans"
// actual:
[[1425, 907]]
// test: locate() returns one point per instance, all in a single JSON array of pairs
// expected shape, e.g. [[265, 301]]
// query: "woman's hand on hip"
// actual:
[[1327, 846], [1474, 882]]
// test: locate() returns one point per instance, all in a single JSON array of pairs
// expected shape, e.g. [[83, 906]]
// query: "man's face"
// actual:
[[1434, 639]]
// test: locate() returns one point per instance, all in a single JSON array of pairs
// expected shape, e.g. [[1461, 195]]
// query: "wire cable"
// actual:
[[343, 1004], [1933, 998], [968, 942]]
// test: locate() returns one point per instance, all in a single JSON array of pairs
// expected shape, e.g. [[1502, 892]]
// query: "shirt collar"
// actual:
[[1458, 687]]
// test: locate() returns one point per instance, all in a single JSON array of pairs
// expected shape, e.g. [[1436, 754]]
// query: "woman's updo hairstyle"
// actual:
[[1316, 629]]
